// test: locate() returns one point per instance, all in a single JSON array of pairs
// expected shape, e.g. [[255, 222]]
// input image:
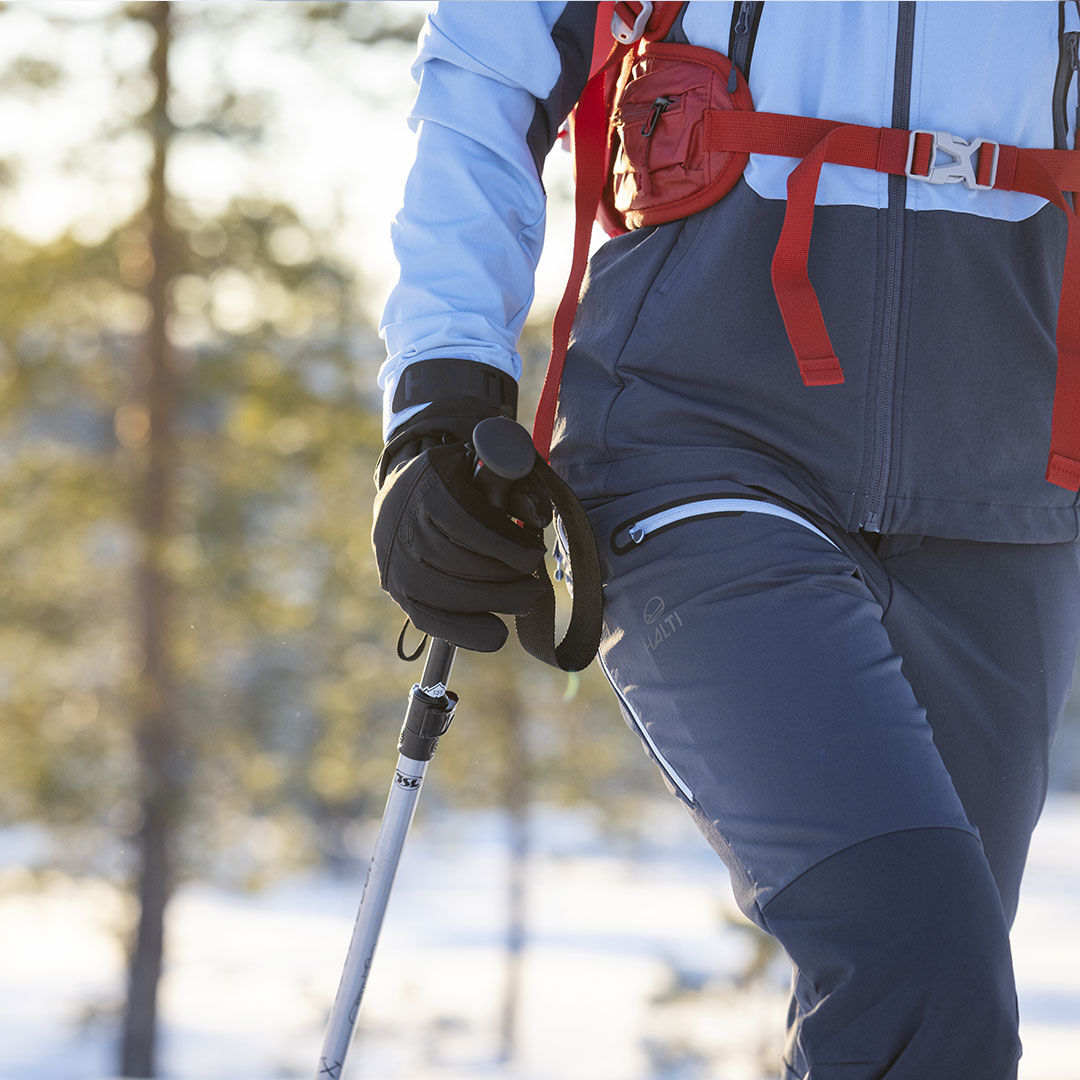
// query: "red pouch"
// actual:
[[662, 168]]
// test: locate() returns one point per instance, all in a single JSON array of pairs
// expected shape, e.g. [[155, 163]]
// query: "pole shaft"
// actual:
[[430, 699], [400, 808], [508, 454]]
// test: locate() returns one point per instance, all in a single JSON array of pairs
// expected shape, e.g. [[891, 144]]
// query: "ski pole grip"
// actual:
[[505, 454]]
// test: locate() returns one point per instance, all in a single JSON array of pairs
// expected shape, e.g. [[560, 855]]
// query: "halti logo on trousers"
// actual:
[[666, 625]]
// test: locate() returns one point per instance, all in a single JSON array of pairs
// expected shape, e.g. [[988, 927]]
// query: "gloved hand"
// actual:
[[445, 554]]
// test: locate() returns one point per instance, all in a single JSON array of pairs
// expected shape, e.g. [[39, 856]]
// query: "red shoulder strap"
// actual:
[[589, 123]]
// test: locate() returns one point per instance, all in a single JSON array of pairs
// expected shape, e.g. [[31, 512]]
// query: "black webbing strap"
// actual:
[[536, 630], [447, 377]]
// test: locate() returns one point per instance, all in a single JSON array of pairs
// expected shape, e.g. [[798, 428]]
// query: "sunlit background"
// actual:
[[199, 693]]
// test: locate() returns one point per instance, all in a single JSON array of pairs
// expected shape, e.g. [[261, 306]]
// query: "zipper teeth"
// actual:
[[640, 530], [1072, 40], [1068, 65], [742, 35], [740, 44], [894, 258]]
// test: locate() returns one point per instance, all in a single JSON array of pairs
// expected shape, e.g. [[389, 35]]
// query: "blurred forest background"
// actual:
[[197, 669]]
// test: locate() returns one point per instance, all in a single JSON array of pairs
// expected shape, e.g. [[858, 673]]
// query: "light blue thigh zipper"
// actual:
[[643, 731], [639, 531]]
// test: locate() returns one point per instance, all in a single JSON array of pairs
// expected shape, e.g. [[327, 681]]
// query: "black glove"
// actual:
[[445, 554]]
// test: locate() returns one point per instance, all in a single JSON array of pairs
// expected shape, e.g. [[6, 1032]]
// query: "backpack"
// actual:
[[630, 132]]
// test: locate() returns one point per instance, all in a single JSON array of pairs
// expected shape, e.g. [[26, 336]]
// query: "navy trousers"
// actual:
[[860, 726]]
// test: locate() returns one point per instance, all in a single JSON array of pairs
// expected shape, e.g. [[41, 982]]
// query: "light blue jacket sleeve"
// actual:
[[469, 233]]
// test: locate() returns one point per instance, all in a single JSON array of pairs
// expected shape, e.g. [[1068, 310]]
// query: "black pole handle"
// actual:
[[505, 454]]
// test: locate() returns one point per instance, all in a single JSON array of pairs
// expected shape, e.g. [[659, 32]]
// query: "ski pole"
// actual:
[[505, 453]]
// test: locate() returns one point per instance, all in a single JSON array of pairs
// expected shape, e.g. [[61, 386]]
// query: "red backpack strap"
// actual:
[[1049, 173], [616, 27]]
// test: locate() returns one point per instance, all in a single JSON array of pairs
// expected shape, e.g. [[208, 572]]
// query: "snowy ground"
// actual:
[[612, 942]]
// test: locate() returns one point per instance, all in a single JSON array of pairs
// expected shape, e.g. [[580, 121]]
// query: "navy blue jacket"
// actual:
[[941, 301]]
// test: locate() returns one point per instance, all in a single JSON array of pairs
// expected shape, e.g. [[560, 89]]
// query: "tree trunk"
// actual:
[[159, 758]]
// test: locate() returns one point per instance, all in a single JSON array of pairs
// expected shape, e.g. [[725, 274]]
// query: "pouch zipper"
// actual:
[[659, 107], [624, 117], [630, 534]]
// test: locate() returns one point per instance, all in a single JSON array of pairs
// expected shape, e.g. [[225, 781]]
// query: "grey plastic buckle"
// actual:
[[960, 169], [626, 34]]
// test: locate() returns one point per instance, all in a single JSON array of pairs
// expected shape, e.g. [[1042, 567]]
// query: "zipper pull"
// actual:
[[742, 26], [660, 106]]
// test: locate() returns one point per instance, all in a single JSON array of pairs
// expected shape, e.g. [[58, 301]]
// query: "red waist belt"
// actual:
[[977, 163]]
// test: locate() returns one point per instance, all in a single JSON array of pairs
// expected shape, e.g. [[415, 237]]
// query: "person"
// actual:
[[842, 617]]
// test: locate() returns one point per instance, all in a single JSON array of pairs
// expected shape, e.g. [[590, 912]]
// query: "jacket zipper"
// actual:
[[888, 340], [1068, 67], [1073, 42], [741, 41]]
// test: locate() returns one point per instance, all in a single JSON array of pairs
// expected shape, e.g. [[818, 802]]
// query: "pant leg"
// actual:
[[750, 653], [902, 968], [995, 680]]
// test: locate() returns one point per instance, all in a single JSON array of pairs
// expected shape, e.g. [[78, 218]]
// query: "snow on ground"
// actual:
[[629, 970]]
